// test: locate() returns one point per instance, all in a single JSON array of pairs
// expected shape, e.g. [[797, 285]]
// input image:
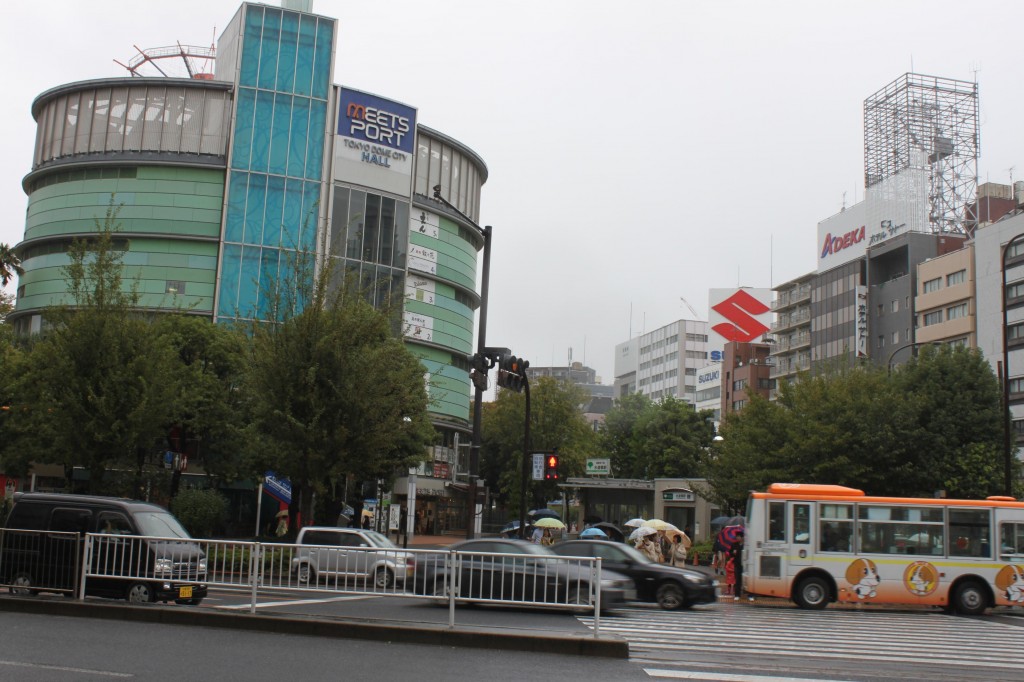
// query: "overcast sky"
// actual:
[[639, 153]]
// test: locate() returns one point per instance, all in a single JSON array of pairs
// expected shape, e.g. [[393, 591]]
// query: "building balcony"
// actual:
[[792, 297], [796, 319], [786, 343]]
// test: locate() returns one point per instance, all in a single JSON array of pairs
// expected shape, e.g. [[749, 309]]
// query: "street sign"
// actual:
[[538, 466], [599, 467]]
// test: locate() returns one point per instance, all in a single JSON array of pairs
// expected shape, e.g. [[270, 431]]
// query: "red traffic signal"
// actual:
[[551, 467]]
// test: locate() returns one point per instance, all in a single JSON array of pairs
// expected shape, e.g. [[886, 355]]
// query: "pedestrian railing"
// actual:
[[32, 561], [36, 561]]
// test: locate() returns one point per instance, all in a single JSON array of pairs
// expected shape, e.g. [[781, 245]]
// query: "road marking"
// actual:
[[87, 671], [238, 607], [721, 677]]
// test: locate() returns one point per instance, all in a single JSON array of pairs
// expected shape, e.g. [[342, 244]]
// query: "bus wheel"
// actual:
[[970, 599], [811, 593]]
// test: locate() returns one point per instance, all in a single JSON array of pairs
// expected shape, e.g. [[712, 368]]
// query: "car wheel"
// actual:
[[21, 585], [139, 593], [970, 599], [811, 593], [383, 578], [670, 596], [305, 574]]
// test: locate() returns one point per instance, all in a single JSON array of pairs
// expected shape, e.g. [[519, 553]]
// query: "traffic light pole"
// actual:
[[481, 343], [478, 397], [525, 469]]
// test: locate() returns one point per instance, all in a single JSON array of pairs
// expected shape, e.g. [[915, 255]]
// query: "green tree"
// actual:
[[954, 435], [95, 389], [332, 390], [933, 424], [647, 439], [10, 264], [206, 391], [617, 436], [671, 439], [556, 423]]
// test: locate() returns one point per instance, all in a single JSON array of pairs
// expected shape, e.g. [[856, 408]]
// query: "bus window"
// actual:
[[1011, 545], [969, 533], [802, 524], [836, 527], [777, 521], [888, 529]]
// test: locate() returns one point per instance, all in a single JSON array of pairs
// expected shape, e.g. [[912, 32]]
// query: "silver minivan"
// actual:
[[338, 556]]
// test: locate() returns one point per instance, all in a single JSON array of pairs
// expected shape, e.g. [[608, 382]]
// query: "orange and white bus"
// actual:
[[817, 544]]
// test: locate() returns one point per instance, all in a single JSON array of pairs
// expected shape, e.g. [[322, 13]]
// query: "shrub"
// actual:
[[200, 511]]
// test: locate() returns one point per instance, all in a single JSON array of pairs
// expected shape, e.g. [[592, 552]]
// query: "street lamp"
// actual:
[[905, 346], [1007, 450], [481, 343]]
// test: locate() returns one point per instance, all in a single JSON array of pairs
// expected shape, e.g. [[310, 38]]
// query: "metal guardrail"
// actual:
[[32, 561], [444, 576]]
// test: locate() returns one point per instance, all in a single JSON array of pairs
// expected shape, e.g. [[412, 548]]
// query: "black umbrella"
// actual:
[[543, 514], [727, 521], [611, 530]]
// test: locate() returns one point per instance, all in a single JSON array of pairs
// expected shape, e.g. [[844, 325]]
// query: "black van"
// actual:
[[44, 538]]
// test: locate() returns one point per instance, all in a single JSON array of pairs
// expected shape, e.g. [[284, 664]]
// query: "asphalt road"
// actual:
[[61, 649]]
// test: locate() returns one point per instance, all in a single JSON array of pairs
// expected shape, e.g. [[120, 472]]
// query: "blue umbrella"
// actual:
[[593, 533]]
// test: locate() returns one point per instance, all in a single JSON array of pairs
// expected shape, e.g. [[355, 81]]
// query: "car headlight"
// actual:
[[202, 566], [163, 566], [616, 583]]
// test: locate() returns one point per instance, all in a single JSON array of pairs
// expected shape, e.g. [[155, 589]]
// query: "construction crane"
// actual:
[[696, 315]]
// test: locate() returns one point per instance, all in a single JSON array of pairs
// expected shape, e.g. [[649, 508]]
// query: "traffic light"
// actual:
[[551, 467], [512, 372], [478, 373]]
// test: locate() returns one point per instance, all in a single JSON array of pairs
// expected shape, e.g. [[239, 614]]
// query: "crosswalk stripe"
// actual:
[[902, 638], [722, 677]]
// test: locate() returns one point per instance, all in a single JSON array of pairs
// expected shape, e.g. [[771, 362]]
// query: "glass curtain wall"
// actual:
[[276, 166]]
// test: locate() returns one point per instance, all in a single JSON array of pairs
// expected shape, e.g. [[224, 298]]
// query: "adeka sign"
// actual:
[[839, 242]]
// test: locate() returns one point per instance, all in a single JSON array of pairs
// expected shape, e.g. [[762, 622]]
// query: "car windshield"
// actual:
[[160, 525], [379, 540], [635, 554]]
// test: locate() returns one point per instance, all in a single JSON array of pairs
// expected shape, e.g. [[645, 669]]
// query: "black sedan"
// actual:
[[501, 571], [670, 586]]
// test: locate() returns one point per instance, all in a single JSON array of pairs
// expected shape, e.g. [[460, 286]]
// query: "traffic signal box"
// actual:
[[512, 372], [550, 467]]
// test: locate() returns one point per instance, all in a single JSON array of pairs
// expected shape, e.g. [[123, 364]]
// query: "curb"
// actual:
[[437, 635]]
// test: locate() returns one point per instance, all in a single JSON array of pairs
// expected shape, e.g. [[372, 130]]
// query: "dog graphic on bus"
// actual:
[[921, 578], [1010, 579], [862, 574]]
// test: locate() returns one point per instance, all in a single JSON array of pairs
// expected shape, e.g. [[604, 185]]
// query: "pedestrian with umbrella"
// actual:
[[735, 566]]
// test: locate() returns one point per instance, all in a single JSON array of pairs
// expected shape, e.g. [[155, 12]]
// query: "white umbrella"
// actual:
[[634, 523], [658, 524], [641, 532]]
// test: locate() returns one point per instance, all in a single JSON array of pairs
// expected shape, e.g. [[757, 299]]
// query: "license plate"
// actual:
[[185, 592]]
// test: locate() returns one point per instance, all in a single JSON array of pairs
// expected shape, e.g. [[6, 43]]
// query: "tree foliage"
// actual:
[[95, 390], [931, 425], [647, 439], [331, 389], [556, 423]]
